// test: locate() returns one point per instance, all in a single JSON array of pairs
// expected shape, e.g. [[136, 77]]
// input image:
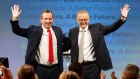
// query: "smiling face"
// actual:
[[47, 19], [83, 19]]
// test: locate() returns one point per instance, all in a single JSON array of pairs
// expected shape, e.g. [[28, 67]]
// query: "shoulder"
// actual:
[[95, 25], [56, 28], [75, 28], [35, 28]]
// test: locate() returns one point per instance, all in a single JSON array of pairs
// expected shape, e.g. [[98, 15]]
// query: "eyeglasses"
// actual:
[[81, 20]]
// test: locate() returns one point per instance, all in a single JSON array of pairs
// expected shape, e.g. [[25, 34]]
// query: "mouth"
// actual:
[[83, 23], [48, 23]]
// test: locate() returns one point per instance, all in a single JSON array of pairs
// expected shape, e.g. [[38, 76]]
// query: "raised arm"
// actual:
[[15, 24], [15, 12], [116, 25], [124, 11]]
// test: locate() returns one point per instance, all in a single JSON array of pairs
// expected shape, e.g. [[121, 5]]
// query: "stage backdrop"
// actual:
[[123, 44]]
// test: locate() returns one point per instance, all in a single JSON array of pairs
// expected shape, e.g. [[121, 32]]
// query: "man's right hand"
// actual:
[[15, 12]]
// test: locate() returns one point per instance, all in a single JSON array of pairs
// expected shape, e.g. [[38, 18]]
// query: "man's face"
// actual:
[[83, 20], [47, 20]]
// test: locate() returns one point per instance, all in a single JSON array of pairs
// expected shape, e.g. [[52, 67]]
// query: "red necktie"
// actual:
[[51, 59]]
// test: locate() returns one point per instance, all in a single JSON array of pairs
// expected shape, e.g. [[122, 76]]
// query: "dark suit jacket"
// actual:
[[34, 34], [97, 33]]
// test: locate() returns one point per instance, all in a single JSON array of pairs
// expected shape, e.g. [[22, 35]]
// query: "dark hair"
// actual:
[[131, 72], [26, 72], [76, 67], [46, 11]]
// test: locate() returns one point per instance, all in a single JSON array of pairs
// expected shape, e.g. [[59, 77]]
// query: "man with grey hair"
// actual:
[[87, 43]]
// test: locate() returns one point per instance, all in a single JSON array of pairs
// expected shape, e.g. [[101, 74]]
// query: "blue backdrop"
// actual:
[[123, 44]]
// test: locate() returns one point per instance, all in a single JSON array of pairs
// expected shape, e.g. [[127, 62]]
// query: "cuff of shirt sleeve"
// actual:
[[14, 19], [123, 18]]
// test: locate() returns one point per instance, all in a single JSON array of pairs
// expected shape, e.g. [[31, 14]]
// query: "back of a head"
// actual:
[[76, 67], [131, 72], [69, 75], [26, 72]]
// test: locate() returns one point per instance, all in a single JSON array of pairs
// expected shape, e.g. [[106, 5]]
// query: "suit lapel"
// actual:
[[93, 34], [56, 32], [39, 34], [76, 37], [58, 40]]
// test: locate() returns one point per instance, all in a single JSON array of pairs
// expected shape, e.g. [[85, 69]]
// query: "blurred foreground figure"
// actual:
[[5, 73], [27, 72], [69, 75]]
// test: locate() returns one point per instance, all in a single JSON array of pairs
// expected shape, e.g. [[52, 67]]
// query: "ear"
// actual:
[[77, 20], [52, 19], [88, 20], [40, 20]]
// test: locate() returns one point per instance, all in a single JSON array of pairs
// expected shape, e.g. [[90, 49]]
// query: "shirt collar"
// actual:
[[44, 29]]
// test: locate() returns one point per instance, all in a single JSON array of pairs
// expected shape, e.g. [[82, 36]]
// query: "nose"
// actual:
[[83, 22], [47, 20]]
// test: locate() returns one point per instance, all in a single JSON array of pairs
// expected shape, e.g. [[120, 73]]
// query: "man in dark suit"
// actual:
[[92, 52], [44, 51]]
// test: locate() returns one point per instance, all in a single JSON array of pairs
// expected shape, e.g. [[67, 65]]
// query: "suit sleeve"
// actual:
[[111, 28], [24, 32], [66, 43]]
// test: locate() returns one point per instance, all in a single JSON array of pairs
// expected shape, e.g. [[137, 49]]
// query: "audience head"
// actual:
[[69, 75], [131, 72], [76, 67], [26, 72]]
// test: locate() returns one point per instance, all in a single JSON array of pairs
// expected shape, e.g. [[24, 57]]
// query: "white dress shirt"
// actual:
[[43, 50], [88, 45]]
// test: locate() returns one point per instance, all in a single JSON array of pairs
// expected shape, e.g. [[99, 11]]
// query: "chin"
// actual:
[[84, 26]]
